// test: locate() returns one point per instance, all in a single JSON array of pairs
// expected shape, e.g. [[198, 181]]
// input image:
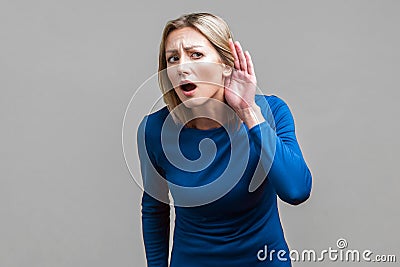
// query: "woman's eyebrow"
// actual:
[[185, 48]]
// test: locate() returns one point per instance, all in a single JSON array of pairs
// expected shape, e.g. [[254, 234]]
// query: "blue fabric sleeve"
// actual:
[[288, 173], [155, 213]]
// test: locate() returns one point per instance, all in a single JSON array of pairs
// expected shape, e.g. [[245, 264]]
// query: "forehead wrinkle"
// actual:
[[185, 41]]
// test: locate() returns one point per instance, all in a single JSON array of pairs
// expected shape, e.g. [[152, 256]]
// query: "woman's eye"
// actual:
[[197, 55], [172, 59]]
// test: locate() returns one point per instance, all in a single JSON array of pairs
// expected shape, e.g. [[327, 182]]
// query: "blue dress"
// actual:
[[224, 185]]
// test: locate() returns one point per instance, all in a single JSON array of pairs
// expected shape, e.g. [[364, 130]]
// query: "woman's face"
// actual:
[[194, 67]]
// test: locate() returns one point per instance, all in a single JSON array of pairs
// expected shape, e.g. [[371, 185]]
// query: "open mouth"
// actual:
[[187, 87]]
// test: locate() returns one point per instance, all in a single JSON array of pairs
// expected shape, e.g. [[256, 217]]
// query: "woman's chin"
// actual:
[[195, 102]]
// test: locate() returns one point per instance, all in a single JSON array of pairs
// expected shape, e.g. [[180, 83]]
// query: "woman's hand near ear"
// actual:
[[240, 87]]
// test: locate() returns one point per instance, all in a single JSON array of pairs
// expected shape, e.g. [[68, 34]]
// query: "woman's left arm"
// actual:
[[280, 153]]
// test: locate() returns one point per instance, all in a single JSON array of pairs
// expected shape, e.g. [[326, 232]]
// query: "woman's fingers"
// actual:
[[242, 58], [235, 56], [250, 66]]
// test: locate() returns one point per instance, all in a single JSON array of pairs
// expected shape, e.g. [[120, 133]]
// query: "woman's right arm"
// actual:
[[155, 213]]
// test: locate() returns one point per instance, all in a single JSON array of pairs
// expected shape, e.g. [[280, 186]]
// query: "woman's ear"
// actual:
[[227, 71]]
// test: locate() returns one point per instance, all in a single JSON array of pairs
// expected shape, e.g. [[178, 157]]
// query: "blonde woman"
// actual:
[[223, 152]]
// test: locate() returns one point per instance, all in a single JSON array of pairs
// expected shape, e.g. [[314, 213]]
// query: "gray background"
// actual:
[[69, 69]]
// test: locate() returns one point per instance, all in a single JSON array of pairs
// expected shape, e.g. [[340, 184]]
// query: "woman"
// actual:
[[222, 151]]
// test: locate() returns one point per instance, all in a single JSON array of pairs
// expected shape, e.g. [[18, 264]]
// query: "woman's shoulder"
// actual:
[[151, 124], [271, 104], [273, 101], [275, 111], [155, 118]]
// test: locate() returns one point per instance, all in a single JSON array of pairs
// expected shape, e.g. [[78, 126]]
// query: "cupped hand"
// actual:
[[240, 87]]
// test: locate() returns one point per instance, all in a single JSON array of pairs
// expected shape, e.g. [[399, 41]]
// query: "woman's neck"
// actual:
[[212, 114]]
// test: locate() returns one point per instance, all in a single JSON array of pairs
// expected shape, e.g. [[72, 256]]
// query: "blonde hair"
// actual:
[[215, 30]]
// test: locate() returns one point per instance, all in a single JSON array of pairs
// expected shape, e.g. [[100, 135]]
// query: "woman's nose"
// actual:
[[183, 67]]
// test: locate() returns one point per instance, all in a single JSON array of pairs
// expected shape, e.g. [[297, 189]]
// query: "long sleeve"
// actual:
[[281, 155], [155, 213]]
